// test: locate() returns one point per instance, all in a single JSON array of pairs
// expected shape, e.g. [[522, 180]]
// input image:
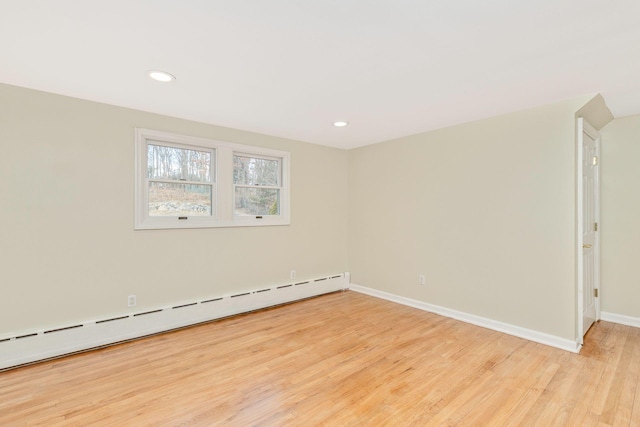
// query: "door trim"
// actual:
[[582, 126]]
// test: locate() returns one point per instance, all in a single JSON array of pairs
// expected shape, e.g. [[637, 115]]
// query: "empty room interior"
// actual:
[[319, 213]]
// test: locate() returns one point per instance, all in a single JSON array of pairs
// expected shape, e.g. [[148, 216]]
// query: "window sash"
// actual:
[[191, 206], [278, 171], [177, 164], [251, 207]]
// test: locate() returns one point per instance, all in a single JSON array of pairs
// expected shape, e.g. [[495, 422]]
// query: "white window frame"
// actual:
[[223, 197], [278, 187]]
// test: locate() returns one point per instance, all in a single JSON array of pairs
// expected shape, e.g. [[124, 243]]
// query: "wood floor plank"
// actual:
[[341, 359]]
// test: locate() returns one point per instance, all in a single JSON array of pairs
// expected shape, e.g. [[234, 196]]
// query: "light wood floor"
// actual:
[[343, 359]]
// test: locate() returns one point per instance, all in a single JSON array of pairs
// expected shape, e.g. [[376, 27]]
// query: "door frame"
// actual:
[[582, 126]]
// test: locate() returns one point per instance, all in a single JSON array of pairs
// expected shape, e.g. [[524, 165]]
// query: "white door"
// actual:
[[588, 210]]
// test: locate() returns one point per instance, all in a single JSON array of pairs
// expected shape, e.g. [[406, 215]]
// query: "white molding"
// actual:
[[620, 318], [33, 345], [583, 127], [528, 334]]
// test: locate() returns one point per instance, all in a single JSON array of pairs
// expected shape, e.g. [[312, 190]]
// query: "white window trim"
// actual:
[[222, 214]]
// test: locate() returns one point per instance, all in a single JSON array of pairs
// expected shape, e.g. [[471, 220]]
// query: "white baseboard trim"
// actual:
[[528, 334], [31, 346], [620, 318]]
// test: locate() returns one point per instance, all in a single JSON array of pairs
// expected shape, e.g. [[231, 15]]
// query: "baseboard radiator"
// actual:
[[35, 345]]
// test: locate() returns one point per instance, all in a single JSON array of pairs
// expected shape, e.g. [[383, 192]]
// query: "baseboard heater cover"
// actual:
[[32, 346]]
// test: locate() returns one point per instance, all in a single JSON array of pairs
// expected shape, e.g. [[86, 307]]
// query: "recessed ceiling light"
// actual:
[[161, 76], [340, 124]]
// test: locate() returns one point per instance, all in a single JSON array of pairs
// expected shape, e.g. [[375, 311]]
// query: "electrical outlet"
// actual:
[[293, 274], [131, 301], [422, 280]]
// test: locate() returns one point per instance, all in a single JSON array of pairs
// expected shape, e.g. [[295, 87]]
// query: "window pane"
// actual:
[[178, 163], [179, 199], [256, 171], [257, 201]]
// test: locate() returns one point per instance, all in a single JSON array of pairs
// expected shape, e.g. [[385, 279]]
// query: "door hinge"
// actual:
[[595, 226], [595, 293], [595, 160]]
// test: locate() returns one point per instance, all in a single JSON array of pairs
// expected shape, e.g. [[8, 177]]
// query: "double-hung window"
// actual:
[[187, 182], [180, 180], [257, 185]]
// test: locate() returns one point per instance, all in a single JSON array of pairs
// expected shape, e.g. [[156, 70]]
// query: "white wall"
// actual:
[[68, 248], [486, 210], [620, 215]]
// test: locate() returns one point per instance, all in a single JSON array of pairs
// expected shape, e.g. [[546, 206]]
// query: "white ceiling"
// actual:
[[290, 68]]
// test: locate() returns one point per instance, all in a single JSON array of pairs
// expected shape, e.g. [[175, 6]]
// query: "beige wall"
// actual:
[[67, 245], [485, 210], [620, 215]]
